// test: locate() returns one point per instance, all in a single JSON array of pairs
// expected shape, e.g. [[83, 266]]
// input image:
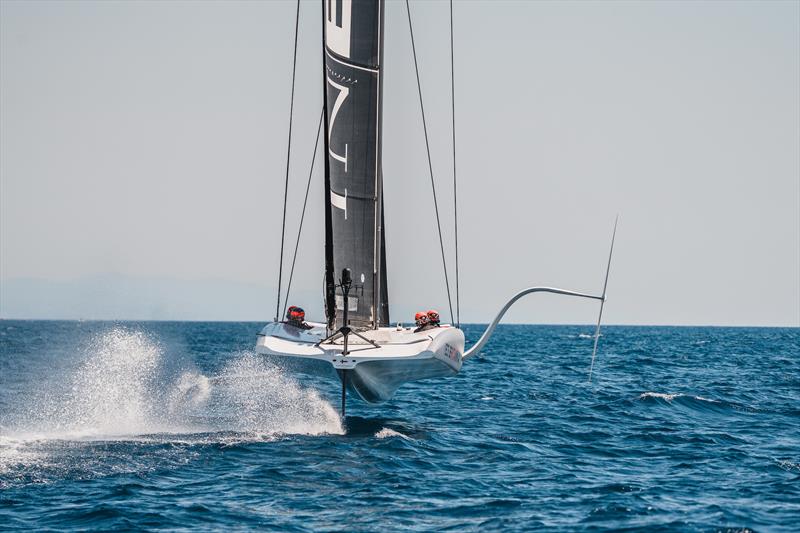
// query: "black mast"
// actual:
[[381, 293], [330, 283]]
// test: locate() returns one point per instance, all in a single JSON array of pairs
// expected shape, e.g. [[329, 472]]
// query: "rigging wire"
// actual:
[[430, 164], [455, 185], [288, 159], [302, 216]]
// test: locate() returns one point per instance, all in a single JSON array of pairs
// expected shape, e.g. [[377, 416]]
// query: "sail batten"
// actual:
[[354, 226]]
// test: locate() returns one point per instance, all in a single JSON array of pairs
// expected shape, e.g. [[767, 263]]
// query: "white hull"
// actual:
[[373, 373]]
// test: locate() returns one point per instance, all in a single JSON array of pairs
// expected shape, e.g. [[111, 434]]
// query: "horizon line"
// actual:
[[199, 321]]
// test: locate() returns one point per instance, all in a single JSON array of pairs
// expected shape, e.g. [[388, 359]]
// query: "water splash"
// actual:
[[112, 391], [191, 390], [125, 387], [253, 395]]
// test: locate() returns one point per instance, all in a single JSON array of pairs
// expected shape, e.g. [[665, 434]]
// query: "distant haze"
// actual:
[[143, 151]]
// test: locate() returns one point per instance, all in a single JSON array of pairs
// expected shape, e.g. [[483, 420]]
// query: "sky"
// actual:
[[143, 152]]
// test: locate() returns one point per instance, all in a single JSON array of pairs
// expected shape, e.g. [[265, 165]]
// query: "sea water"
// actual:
[[182, 426]]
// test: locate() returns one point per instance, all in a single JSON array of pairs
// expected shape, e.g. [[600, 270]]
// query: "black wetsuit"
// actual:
[[426, 327]]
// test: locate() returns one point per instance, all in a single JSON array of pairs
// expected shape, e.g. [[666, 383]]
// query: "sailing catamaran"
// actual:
[[371, 358]]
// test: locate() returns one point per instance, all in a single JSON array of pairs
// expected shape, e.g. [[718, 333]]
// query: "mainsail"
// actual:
[[353, 39]]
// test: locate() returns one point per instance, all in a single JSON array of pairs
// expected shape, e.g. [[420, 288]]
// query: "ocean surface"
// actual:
[[180, 425]]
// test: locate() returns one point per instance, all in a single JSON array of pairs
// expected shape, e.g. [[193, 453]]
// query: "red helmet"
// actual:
[[421, 318], [433, 316], [295, 313]]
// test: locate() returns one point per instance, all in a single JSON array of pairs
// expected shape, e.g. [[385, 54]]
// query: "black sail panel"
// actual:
[[353, 53]]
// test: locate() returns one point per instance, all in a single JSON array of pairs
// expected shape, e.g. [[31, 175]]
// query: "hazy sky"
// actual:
[[143, 144]]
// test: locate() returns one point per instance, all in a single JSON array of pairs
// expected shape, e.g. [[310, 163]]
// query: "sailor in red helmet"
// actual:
[[295, 316], [421, 319], [433, 318]]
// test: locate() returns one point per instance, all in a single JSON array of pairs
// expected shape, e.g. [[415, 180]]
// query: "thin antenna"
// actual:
[[603, 300]]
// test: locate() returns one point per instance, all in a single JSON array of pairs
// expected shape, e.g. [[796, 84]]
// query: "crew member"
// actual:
[[421, 319], [295, 316], [433, 318]]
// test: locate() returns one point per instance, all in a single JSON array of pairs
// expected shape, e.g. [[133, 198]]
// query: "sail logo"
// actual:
[[344, 92], [337, 26], [337, 200], [452, 353], [352, 303]]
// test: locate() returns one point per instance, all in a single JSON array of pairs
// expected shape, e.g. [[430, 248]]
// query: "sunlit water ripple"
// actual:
[[180, 425]]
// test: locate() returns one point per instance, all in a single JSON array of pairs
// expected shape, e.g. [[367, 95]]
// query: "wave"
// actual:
[[387, 433], [694, 402], [671, 397]]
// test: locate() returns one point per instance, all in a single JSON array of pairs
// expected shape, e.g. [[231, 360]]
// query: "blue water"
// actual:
[[181, 426]]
